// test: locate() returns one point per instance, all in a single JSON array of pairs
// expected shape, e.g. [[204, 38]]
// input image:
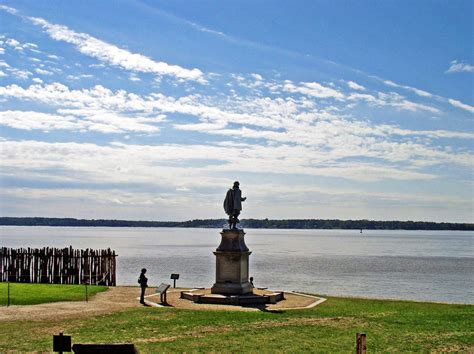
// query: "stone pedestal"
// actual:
[[232, 264]]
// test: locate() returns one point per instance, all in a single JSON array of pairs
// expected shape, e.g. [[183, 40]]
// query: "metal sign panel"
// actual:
[[162, 288]]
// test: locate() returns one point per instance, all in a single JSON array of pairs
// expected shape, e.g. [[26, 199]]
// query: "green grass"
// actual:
[[391, 326], [31, 294]]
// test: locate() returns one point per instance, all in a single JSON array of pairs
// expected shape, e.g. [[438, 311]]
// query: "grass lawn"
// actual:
[[330, 327], [30, 294]]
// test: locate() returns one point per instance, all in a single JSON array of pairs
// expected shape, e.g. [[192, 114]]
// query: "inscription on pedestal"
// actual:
[[227, 271]]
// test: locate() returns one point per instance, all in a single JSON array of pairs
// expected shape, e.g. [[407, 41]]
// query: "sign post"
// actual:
[[61, 343], [161, 289], [174, 276]]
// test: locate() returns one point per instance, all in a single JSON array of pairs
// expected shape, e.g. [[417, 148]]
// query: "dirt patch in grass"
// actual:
[[455, 349], [337, 322]]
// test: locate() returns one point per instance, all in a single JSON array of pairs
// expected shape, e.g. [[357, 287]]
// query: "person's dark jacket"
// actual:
[[143, 280]]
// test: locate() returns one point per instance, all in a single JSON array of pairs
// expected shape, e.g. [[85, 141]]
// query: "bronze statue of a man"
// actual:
[[233, 205]]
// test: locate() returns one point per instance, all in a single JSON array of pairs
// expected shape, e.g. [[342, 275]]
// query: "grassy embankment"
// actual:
[[31, 294], [330, 327]]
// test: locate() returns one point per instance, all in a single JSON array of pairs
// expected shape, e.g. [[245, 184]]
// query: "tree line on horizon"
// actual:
[[245, 223]]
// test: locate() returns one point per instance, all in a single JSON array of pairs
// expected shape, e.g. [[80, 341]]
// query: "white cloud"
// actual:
[[461, 105], [113, 55], [419, 92], [458, 67], [9, 9], [78, 77], [20, 74], [140, 164], [35, 120], [281, 121], [355, 86], [43, 71], [313, 89], [82, 121], [16, 45], [392, 99]]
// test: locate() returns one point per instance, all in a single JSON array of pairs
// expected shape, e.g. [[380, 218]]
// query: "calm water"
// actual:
[[412, 265]]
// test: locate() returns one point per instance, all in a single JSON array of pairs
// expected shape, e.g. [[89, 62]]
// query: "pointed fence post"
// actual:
[[361, 347]]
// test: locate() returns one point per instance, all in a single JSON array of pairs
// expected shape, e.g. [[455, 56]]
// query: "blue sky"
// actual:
[[321, 109]]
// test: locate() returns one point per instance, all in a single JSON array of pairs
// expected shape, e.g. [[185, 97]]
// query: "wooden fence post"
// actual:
[[58, 265], [361, 347]]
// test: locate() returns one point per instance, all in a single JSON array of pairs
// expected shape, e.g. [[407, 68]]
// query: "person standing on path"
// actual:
[[143, 281]]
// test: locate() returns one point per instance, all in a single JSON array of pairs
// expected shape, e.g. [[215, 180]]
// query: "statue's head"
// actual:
[[236, 184]]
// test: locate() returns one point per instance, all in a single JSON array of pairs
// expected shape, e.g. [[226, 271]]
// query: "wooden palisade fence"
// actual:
[[58, 265]]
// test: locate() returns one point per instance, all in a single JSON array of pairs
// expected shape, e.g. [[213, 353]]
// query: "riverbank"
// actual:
[[291, 224], [331, 326]]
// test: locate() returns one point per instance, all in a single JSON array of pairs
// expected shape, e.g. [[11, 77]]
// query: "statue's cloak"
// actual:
[[229, 202]]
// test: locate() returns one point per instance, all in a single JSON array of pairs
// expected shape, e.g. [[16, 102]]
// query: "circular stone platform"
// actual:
[[291, 301], [254, 298]]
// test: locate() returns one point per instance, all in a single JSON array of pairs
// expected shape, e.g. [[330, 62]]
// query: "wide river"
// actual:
[[411, 265]]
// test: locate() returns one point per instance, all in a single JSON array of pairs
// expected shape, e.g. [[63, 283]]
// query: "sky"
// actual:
[[150, 110]]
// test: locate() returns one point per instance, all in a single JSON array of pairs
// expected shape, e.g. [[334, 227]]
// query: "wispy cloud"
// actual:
[[79, 121], [98, 109], [113, 55], [461, 105], [355, 86], [314, 89], [299, 122], [108, 53], [43, 71], [419, 92], [9, 9], [392, 99], [459, 67]]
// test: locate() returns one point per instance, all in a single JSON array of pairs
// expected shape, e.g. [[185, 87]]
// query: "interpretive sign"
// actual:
[[161, 289], [175, 277]]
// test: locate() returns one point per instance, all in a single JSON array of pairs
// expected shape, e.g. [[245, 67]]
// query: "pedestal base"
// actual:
[[231, 288], [232, 264], [261, 297]]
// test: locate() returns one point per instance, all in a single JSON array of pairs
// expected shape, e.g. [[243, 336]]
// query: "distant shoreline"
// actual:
[[303, 224]]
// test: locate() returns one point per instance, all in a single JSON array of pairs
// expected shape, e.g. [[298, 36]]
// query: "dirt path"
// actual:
[[122, 297], [115, 299]]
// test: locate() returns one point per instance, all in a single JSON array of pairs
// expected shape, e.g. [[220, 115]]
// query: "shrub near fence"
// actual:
[[58, 265]]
